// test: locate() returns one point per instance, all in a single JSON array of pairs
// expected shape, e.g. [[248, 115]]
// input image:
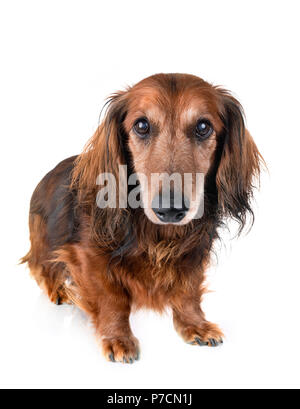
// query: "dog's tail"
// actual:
[[25, 259]]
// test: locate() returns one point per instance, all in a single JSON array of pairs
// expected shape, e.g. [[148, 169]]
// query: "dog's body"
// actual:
[[108, 261]]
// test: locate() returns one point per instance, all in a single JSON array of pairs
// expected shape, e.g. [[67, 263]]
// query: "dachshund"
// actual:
[[109, 260]]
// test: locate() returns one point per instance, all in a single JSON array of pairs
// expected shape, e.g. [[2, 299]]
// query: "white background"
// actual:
[[59, 60]]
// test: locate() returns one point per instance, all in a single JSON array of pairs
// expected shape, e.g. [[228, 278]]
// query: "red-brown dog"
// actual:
[[108, 260]]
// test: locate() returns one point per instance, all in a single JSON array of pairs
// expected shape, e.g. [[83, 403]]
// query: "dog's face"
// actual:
[[175, 129], [172, 126]]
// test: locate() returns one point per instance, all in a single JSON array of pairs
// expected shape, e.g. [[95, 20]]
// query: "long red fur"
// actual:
[[109, 261]]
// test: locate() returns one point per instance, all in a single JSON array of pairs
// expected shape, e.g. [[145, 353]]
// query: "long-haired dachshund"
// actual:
[[110, 259]]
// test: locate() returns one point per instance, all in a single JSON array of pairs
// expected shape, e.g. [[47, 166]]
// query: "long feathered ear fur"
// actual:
[[240, 163], [104, 152]]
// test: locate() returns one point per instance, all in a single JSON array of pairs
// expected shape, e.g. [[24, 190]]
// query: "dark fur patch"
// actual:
[[56, 203]]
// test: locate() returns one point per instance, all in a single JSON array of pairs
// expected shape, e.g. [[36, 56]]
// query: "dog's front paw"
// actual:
[[207, 334], [121, 349]]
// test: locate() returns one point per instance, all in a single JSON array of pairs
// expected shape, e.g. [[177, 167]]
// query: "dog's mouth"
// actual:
[[176, 211], [171, 216], [172, 210], [176, 204]]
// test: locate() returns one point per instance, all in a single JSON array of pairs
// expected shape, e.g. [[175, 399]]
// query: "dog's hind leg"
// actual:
[[49, 275]]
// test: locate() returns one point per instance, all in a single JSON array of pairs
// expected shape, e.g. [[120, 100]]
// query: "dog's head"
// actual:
[[173, 128]]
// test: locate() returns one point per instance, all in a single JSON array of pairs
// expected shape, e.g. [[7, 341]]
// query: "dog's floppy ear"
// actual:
[[100, 160], [105, 151], [239, 162]]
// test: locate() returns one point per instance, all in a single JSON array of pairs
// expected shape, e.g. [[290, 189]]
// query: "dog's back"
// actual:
[[52, 223]]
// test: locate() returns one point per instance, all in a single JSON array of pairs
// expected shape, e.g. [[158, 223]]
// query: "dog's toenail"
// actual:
[[201, 343]]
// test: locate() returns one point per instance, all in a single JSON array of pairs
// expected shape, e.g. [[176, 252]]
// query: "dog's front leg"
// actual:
[[190, 323], [112, 323]]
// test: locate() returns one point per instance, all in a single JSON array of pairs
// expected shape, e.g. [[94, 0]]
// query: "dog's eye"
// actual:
[[142, 127], [203, 129]]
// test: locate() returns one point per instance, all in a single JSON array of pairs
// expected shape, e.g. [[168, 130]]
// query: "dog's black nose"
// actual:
[[172, 210]]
